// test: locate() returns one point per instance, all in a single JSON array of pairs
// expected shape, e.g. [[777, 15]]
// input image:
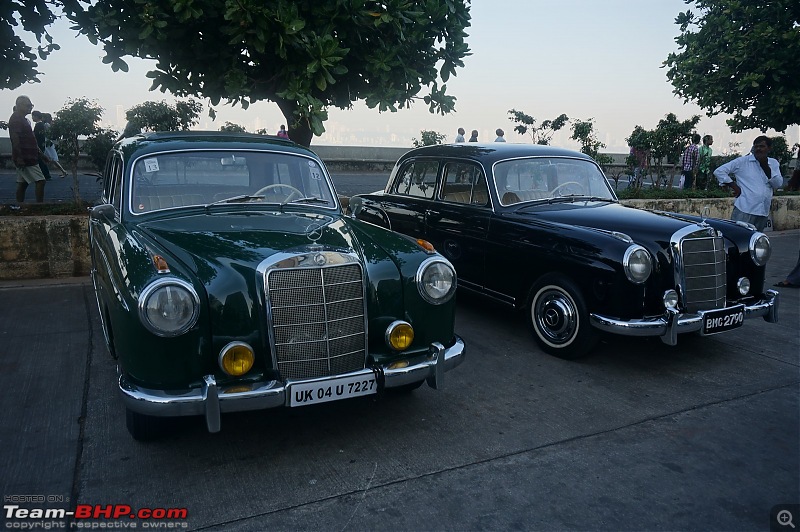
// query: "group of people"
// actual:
[[31, 148], [696, 163], [474, 135]]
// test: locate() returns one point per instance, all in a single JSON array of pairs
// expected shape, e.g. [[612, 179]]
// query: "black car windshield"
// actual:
[[192, 178], [545, 178]]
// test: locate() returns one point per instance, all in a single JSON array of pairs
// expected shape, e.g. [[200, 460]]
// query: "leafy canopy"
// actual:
[[739, 57], [540, 134], [161, 116], [303, 55], [19, 62]]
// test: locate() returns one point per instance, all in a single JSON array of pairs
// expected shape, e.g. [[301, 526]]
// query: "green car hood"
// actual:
[[210, 245]]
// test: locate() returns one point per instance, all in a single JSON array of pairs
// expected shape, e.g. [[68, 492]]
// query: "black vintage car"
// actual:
[[228, 279], [540, 228]]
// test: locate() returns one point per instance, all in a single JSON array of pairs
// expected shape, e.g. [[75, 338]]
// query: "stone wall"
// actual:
[[34, 247]]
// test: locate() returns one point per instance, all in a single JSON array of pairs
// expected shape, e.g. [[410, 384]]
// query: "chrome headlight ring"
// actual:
[[760, 248], [637, 263], [436, 280], [169, 307]]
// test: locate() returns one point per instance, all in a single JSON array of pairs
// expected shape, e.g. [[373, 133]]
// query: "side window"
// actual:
[[465, 183], [418, 179], [107, 180], [116, 182]]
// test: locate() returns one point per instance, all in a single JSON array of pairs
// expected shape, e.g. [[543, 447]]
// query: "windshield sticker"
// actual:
[[151, 165], [316, 173]]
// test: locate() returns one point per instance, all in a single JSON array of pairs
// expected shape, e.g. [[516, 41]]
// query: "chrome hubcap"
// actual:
[[555, 316]]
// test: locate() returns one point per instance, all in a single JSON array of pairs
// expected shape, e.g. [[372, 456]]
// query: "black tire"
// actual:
[[142, 427], [559, 318]]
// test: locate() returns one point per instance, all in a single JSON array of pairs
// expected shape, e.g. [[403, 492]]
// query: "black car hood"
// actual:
[[643, 226]]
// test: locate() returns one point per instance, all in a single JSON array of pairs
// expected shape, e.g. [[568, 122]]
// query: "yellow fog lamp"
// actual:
[[236, 358], [399, 335]]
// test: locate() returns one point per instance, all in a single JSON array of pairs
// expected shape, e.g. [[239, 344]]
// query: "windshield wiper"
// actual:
[[310, 199]]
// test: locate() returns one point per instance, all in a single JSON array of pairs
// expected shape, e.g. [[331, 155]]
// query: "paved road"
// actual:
[[639, 436]]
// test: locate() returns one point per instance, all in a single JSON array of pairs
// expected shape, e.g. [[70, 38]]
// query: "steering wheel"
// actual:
[[293, 191], [578, 186]]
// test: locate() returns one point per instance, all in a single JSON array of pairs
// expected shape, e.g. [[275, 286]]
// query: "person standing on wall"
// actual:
[[691, 156], [500, 135], [460, 136], [752, 178], [25, 151], [474, 136]]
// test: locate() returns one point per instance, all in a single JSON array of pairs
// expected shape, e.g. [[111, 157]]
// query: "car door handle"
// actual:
[[433, 215]]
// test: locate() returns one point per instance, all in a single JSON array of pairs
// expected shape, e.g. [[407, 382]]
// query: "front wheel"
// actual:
[[559, 318]]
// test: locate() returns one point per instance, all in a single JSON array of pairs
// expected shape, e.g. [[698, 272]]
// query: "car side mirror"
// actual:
[[355, 205], [105, 210]]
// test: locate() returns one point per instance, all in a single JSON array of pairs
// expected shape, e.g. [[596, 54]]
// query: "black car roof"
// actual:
[[221, 140], [491, 152]]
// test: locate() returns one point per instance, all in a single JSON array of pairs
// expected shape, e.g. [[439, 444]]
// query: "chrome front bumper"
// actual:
[[211, 400], [673, 323]]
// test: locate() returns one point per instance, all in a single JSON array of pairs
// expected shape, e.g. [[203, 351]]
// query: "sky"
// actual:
[[585, 58]]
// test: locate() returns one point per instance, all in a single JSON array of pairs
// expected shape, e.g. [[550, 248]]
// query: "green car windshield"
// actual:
[[548, 178], [200, 178]]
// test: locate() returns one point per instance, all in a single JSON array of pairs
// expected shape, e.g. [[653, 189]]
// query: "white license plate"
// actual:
[[721, 320], [312, 393]]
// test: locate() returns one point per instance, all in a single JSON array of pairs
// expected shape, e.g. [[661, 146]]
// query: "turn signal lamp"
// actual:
[[427, 246], [236, 359], [399, 335], [400, 364], [161, 264]]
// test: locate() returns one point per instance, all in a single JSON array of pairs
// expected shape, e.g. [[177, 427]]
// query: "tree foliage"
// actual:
[[18, 61], [78, 118], [98, 145], [739, 57], [233, 128], [664, 144], [583, 132], [161, 116], [304, 56], [428, 138], [541, 134]]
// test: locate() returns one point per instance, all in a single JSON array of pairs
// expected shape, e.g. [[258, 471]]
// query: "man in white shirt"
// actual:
[[752, 178]]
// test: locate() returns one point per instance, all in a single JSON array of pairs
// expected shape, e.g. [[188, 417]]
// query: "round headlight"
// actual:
[[671, 299], [169, 307], [399, 335], [236, 358], [637, 264], [760, 248], [743, 284], [436, 280]]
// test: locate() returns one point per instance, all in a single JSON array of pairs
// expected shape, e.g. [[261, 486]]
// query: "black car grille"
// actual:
[[704, 276], [317, 320]]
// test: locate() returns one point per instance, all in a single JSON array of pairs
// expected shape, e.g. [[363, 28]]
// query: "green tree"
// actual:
[[98, 145], [304, 56], [428, 138], [19, 61], [233, 128], [583, 132], [540, 134], [78, 118], [740, 57], [161, 116], [667, 142]]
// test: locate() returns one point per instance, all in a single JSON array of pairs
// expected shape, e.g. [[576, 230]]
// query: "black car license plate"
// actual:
[[725, 319]]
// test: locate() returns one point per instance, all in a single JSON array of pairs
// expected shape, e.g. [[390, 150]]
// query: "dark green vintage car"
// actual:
[[228, 279]]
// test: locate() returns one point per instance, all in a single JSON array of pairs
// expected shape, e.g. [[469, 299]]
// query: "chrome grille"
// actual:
[[317, 320], [704, 276]]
